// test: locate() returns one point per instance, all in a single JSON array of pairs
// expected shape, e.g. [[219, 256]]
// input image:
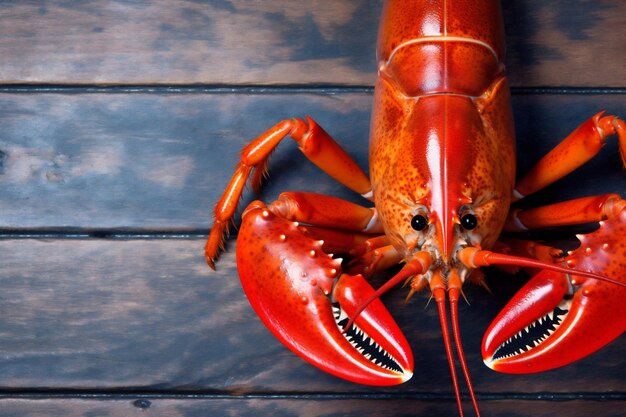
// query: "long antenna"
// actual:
[[420, 263], [474, 258], [453, 294], [440, 297]]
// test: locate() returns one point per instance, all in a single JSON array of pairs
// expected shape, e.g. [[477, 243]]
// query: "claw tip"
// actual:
[[211, 263], [406, 375]]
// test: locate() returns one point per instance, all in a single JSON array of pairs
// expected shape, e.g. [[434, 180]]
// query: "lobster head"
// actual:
[[445, 183], [442, 153]]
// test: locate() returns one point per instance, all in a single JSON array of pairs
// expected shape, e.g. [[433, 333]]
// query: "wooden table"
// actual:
[[120, 123]]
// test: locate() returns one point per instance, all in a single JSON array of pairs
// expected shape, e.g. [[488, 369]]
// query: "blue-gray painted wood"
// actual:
[[150, 315], [150, 161], [565, 42], [110, 317], [298, 408]]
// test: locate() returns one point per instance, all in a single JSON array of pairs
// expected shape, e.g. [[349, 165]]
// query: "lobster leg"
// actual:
[[566, 213], [341, 242], [302, 296], [574, 151], [559, 317], [326, 211], [316, 145], [371, 244], [528, 249], [331, 212], [375, 260]]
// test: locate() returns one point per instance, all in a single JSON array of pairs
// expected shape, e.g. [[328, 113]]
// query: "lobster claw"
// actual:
[[301, 295], [556, 319]]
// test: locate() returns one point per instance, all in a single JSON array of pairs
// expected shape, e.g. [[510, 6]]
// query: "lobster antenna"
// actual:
[[415, 266], [440, 297], [454, 316], [474, 258]]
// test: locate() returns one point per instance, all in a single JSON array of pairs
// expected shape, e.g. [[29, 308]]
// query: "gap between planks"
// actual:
[[324, 89], [318, 396]]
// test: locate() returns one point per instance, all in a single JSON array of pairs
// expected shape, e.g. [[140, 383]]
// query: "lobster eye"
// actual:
[[419, 222], [469, 221]]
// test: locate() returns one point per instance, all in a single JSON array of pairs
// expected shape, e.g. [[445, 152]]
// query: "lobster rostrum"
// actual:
[[442, 180]]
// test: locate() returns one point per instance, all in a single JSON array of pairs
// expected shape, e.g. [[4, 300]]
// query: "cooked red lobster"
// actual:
[[442, 181]]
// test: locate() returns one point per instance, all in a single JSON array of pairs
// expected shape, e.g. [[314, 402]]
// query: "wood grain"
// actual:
[[149, 315], [120, 123], [571, 43], [153, 161], [296, 407]]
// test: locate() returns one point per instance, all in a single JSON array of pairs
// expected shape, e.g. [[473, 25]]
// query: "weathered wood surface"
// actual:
[[149, 315], [572, 43], [86, 322], [130, 407], [153, 161]]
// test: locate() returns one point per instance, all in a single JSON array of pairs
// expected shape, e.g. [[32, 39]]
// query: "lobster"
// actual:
[[442, 184]]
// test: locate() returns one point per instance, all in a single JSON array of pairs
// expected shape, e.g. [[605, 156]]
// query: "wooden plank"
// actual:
[[149, 315], [275, 41], [150, 160], [161, 161], [86, 323], [297, 407], [561, 46]]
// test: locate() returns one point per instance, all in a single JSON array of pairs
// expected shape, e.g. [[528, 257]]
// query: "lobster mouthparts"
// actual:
[[557, 318], [301, 295]]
